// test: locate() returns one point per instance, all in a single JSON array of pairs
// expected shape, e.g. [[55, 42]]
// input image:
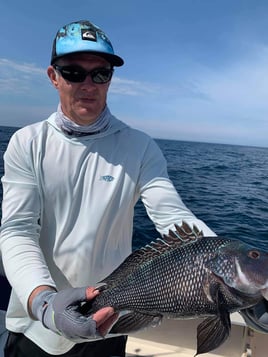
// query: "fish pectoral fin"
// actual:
[[212, 332], [135, 321]]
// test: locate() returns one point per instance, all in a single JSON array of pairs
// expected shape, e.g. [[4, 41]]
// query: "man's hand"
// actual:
[[256, 317], [105, 318], [60, 312]]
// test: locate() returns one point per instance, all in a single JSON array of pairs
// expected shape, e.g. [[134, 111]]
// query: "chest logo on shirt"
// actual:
[[107, 178]]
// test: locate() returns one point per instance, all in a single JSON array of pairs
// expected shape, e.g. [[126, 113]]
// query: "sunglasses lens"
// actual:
[[73, 74], [78, 74], [101, 75]]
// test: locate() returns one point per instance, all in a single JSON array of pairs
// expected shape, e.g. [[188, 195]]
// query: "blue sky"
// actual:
[[194, 69]]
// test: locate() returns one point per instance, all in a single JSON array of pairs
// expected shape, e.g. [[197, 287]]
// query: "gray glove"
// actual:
[[256, 317], [60, 312]]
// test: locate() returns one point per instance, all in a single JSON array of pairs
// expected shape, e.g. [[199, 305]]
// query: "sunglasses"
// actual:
[[77, 74]]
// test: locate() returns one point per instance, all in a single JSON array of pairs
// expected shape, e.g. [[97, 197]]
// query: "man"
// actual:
[[4, 297], [70, 186]]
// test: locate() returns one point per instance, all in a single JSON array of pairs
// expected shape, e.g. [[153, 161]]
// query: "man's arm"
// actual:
[[163, 203], [24, 263]]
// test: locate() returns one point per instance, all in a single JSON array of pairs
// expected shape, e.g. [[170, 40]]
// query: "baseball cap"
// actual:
[[83, 36]]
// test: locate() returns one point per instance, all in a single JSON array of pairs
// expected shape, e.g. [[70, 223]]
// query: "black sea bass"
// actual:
[[185, 275]]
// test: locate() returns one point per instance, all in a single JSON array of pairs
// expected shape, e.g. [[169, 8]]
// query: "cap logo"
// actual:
[[88, 35]]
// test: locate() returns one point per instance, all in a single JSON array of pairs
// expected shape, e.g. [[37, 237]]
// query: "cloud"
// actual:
[[28, 68], [132, 88], [240, 86], [20, 78], [227, 104]]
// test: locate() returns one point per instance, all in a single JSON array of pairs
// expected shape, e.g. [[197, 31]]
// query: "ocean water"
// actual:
[[224, 185]]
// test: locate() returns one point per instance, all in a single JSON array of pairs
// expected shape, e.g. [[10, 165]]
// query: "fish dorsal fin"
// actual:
[[182, 235], [185, 232]]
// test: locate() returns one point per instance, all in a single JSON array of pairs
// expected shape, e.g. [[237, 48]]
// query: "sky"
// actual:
[[195, 70]]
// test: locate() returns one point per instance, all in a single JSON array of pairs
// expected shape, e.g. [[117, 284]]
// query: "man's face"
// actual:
[[81, 102]]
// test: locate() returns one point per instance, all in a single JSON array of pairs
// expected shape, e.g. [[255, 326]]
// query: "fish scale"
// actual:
[[185, 275]]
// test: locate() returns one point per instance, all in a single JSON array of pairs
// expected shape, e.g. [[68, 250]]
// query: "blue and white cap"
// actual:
[[83, 36]]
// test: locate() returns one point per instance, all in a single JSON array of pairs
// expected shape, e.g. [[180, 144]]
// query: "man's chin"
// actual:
[[86, 116]]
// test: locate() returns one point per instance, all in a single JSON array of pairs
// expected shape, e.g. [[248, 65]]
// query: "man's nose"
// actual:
[[88, 81]]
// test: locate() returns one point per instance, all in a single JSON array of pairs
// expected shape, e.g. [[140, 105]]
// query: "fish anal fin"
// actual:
[[212, 332], [135, 321]]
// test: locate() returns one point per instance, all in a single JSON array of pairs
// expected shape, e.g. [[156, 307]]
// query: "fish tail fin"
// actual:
[[135, 321], [212, 332]]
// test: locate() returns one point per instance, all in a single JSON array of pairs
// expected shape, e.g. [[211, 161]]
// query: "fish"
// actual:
[[185, 275]]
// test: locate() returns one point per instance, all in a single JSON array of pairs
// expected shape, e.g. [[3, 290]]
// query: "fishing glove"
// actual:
[[60, 312], [256, 317]]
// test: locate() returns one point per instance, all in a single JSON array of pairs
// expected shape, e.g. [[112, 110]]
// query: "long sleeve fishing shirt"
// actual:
[[68, 207]]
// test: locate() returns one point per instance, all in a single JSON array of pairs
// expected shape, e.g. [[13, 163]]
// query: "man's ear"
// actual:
[[52, 75]]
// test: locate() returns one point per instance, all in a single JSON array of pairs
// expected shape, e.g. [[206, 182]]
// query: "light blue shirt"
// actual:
[[68, 207]]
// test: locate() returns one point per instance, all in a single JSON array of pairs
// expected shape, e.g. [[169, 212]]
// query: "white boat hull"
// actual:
[[178, 338]]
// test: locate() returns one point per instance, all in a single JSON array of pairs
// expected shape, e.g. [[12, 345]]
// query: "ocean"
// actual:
[[224, 185]]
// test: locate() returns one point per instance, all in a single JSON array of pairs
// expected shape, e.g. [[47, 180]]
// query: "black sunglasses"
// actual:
[[77, 74]]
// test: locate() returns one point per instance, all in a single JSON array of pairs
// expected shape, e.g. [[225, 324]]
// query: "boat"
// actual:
[[177, 338]]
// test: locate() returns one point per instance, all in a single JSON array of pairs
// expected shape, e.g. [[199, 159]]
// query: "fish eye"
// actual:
[[254, 254]]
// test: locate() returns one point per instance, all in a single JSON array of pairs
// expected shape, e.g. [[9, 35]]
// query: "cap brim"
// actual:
[[113, 59]]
